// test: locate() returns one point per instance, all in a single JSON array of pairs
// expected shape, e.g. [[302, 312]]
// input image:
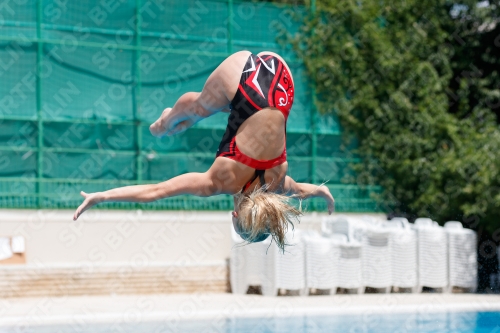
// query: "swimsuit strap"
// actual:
[[261, 176], [258, 173]]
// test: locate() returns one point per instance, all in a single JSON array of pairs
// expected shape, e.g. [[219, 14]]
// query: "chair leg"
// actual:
[[361, 290], [269, 291], [239, 289]]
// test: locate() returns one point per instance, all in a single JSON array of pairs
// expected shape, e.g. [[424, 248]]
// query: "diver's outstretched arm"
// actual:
[[199, 184], [305, 191]]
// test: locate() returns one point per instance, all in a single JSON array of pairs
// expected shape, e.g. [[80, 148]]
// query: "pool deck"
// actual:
[[174, 307]]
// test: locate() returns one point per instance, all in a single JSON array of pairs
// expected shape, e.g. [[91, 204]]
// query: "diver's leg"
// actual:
[[219, 90]]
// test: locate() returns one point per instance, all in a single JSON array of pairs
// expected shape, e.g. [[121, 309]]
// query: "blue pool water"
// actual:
[[454, 322]]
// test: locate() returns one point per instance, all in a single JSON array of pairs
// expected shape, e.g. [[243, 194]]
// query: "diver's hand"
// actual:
[[91, 199], [325, 191]]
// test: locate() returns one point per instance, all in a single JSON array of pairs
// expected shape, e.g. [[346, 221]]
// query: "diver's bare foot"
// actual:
[[157, 128]]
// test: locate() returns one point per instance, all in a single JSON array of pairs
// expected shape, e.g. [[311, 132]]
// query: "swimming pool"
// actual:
[[449, 322]]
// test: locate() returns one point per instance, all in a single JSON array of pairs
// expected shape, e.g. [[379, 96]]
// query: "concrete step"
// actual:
[[34, 281]]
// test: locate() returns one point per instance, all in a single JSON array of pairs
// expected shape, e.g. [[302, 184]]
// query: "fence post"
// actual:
[[230, 27], [314, 130], [39, 58], [137, 91]]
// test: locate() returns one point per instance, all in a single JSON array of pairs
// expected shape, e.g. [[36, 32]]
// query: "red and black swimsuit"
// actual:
[[265, 82]]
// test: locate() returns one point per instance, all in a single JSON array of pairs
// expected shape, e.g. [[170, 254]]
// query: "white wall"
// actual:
[[133, 237]]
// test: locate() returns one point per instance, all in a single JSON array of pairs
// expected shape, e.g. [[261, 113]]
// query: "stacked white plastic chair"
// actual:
[[353, 228], [247, 263], [285, 270], [404, 254], [322, 261], [462, 256], [432, 254], [350, 272], [335, 225], [351, 267], [376, 254]]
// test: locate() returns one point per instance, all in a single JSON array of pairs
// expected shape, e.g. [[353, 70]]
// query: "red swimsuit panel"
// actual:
[[265, 82]]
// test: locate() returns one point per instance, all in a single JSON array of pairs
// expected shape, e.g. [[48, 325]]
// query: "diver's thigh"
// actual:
[[222, 84]]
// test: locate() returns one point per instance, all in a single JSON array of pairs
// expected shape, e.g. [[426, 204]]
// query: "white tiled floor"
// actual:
[[137, 308]]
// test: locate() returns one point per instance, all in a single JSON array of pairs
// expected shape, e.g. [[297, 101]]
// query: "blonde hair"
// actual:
[[263, 212]]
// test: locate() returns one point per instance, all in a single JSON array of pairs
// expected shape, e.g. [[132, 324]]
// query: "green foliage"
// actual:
[[407, 81]]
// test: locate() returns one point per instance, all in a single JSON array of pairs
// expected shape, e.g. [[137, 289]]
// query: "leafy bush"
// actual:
[[417, 84]]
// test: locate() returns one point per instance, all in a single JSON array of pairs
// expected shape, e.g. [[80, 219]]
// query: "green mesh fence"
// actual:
[[82, 81]]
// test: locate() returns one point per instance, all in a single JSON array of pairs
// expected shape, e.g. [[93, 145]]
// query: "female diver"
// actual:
[[250, 164]]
